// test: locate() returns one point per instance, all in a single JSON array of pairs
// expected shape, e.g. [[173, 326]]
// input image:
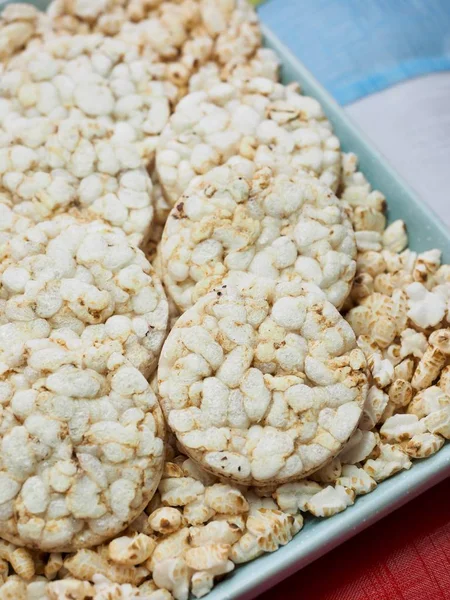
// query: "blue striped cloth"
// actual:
[[358, 47]]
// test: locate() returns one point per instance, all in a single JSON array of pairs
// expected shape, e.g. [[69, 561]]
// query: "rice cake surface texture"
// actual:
[[267, 122], [239, 218], [79, 121], [262, 382], [264, 63], [82, 320], [176, 37]]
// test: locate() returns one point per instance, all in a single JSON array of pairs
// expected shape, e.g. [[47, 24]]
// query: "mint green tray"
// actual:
[[319, 536]]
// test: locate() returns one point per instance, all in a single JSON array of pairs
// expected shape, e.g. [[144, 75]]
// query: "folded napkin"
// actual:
[[358, 47]]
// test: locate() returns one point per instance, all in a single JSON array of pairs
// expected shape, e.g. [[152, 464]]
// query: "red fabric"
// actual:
[[406, 556]]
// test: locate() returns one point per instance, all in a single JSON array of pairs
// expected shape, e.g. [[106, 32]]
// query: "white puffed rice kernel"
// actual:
[[271, 528], [423, 445], [399, 428], [330, 501], [87, 565], [391, 460], [428, 401], [292, 497], [131, 550], [210, 557], [171, 546], [202, 583], [425, 308], [165, 520], [173, 575], [438, 422], [356, 479]]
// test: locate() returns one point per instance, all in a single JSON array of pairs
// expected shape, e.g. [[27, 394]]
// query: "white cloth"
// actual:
[[410, 124]]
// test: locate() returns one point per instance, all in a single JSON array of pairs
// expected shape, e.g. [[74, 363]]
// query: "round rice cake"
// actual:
[[262, 382], [103, 79], [82, 321], [87, 277], [94, 177], [259, 119], [240, 218], [79, 120]]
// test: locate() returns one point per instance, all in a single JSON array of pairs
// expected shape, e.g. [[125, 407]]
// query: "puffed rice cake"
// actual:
[[262, 381], [79, 120], [240, 218], [82, 320], [261, 120]]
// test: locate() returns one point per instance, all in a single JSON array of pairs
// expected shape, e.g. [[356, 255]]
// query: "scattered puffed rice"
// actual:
[[102, 588], [173, 574], [356, 479], [399, 428], [438, 422], [331, 501], [215, 532], [425, 309], [131, 551], [292, 497], [165, 520], [225, 499], [423, 445], [428, 401], [88, 564], [171, 546], [367, 207], [391, 460], [20, 559], [202, 583]]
